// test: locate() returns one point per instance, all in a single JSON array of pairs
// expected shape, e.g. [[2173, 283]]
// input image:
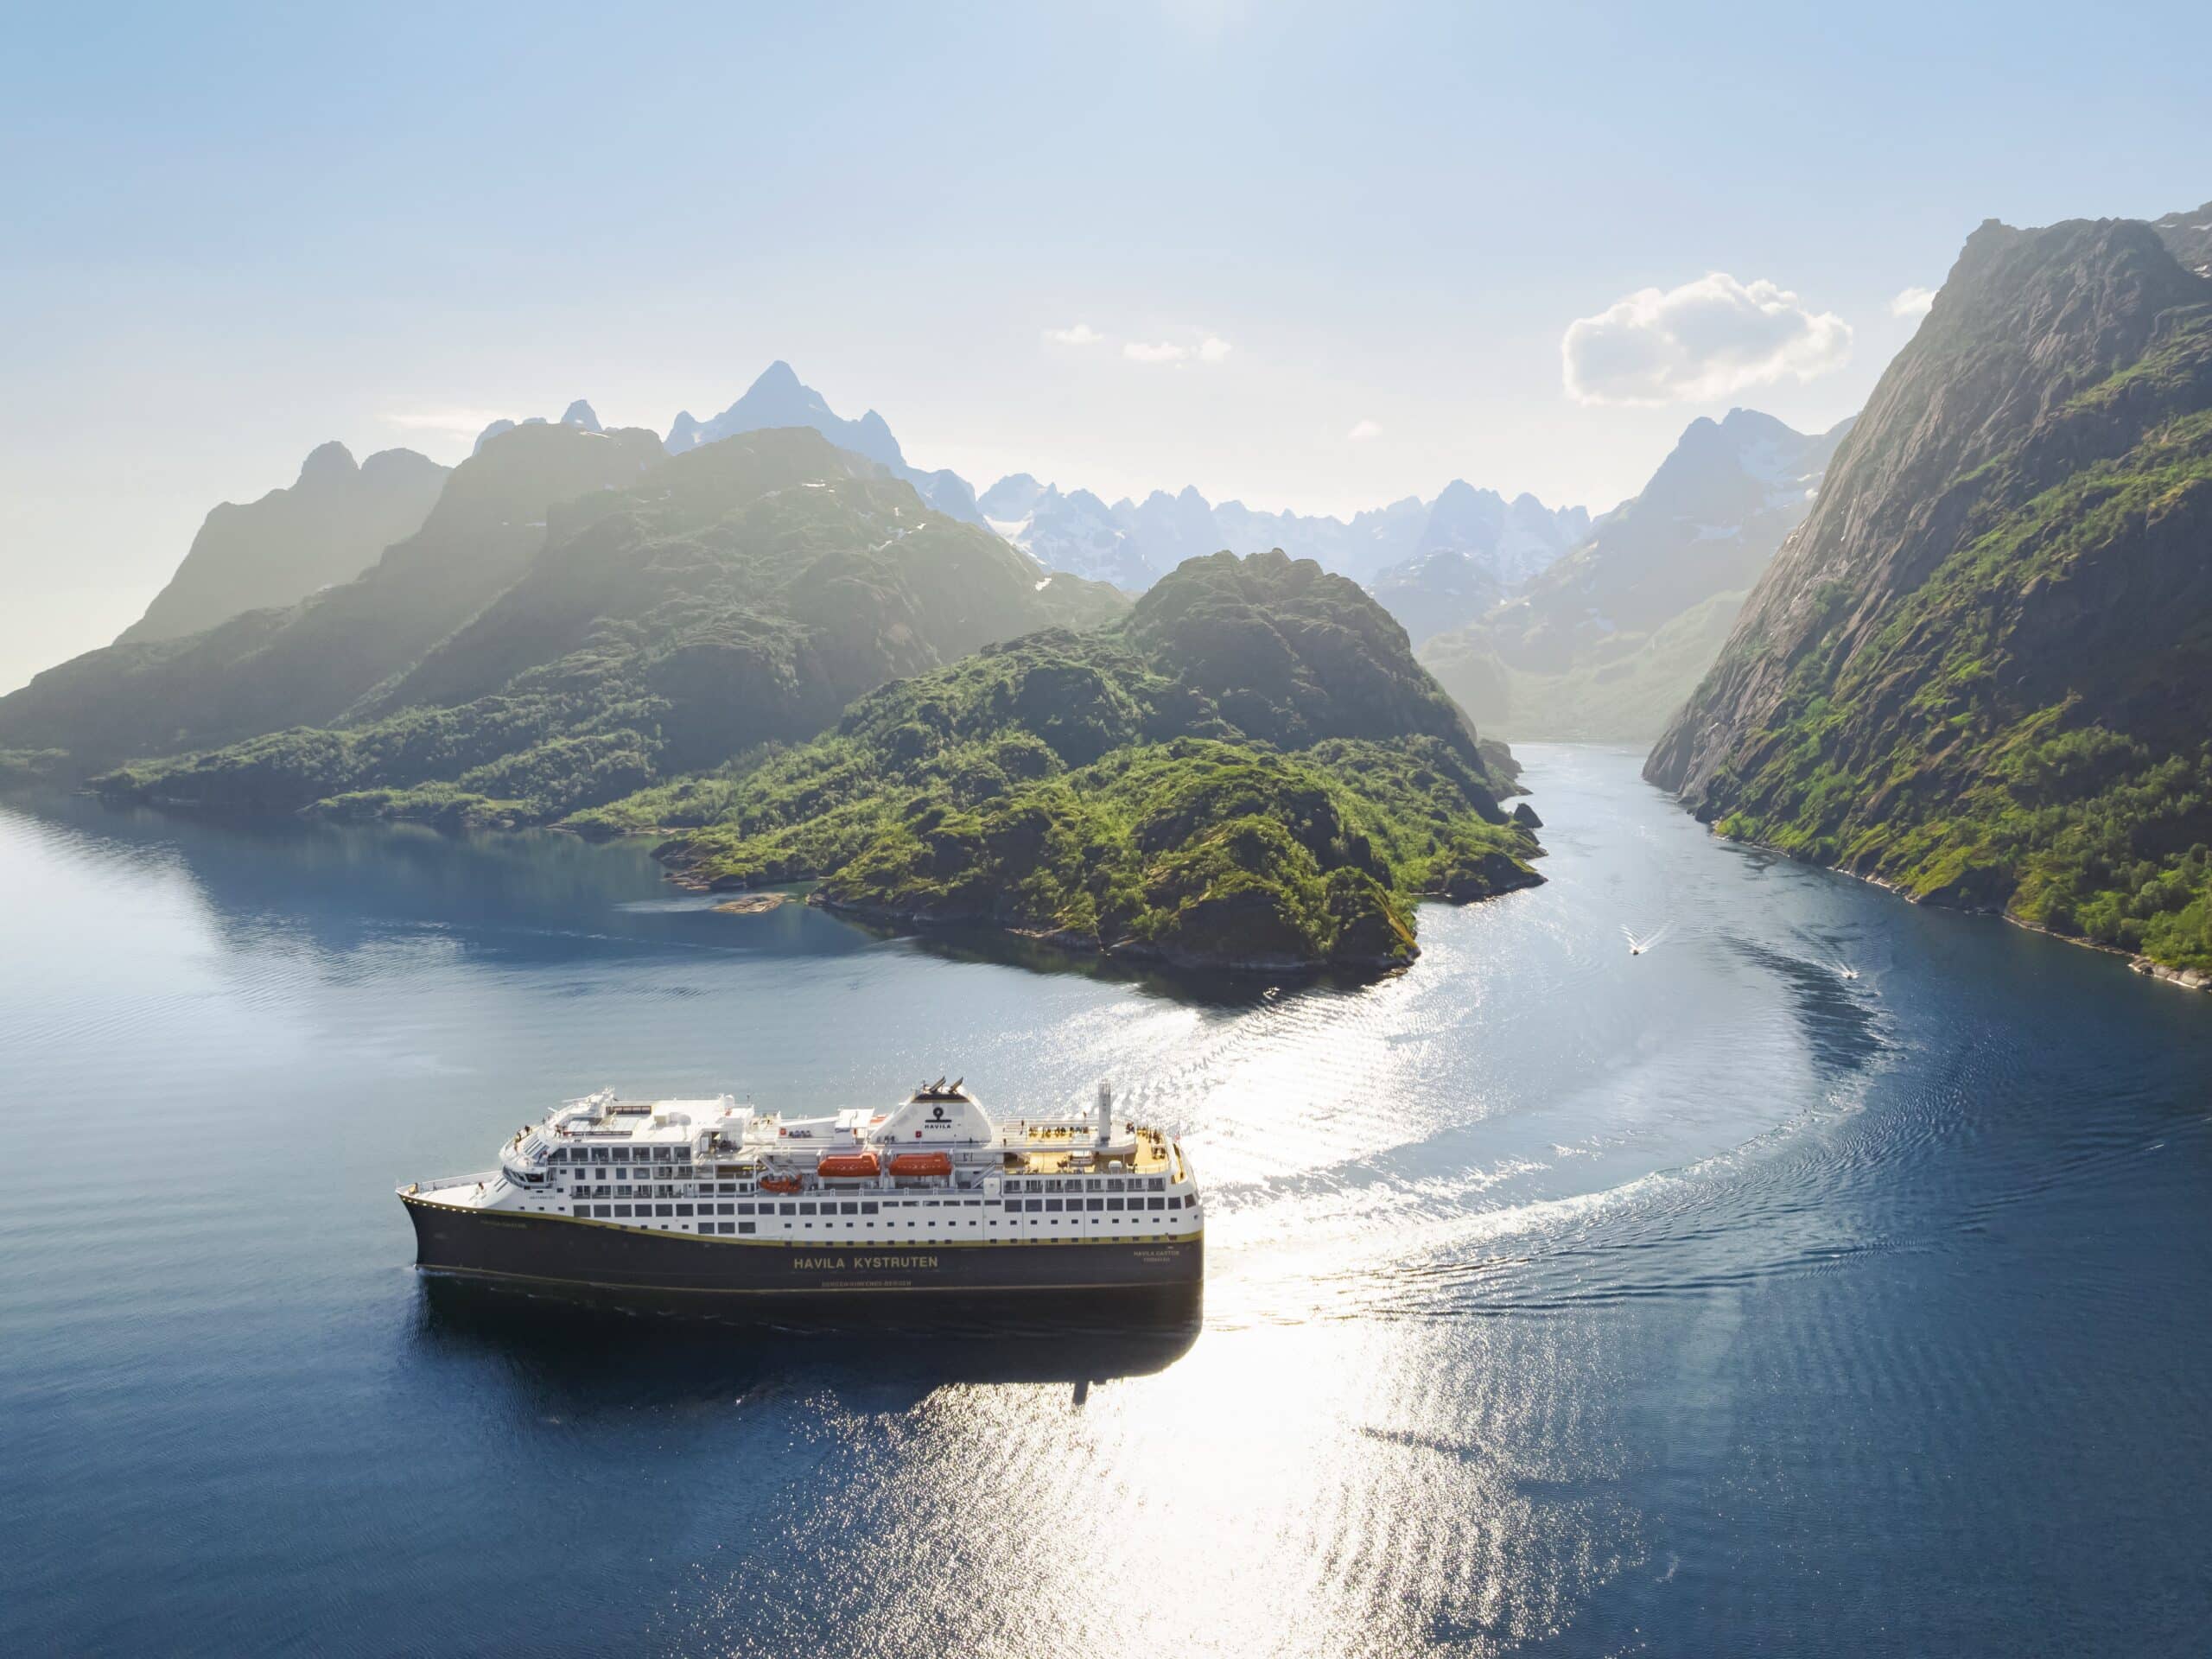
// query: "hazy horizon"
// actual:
[[1252, 249]]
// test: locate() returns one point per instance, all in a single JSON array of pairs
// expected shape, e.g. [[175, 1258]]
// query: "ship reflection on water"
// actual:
[[636, 1350]]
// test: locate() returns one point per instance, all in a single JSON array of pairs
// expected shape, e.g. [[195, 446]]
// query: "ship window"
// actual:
[[1115, 1203], [1159, 1183], [683, 1209], [786, 1209], [602, 1211], [1114, 1186], [1034, 1203], [744, 1226], [849, 1208], [1175, 1203], [744, 1209], [806, 1209], [1094, 1204], [725, 1209], [622, 1210], [867, 1207], [1053, 1204], [1155, 1203], [663, 1210], [662, 1154]]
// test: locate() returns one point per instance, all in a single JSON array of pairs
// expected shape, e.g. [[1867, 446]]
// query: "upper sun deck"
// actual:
[[603, 1127]]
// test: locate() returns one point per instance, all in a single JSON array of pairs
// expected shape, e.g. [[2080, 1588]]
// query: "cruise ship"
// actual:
[[710, 1198]]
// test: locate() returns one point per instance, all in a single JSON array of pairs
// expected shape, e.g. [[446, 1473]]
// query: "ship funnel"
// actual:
[[1105, 1132]]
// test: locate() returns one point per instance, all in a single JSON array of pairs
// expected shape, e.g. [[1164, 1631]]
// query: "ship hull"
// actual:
[[574, 1254]]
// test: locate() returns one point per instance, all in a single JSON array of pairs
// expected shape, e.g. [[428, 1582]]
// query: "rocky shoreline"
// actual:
[[2188, 979]]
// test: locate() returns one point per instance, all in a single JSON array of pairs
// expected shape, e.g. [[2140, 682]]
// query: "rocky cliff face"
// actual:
[[1982, 668]]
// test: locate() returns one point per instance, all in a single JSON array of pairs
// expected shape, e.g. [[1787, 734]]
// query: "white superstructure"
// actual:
[[934, 1169]]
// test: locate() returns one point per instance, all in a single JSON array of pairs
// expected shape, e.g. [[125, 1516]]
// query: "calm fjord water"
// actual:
[[1705, 1301]]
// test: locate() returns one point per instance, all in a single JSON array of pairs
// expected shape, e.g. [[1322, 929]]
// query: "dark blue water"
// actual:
[[1708, 1301]]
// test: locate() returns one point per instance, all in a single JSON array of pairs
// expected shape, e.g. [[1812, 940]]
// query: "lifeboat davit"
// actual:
[[922, 1163], [848, 1165], [779, 1183]]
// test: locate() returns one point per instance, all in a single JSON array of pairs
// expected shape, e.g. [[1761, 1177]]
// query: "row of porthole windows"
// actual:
[[1090, 1184]]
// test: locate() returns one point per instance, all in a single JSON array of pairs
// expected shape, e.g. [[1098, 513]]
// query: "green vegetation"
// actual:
[[2028, 728], [740, 594], [1091, 788], [31, 765]]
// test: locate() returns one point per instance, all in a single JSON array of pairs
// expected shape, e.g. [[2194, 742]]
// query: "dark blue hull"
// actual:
[[558, 1251]]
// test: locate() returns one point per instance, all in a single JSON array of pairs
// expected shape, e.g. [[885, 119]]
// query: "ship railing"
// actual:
[[444, 1183]]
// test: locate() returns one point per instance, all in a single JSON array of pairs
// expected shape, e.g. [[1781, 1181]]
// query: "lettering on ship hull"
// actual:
[[839, 1263]]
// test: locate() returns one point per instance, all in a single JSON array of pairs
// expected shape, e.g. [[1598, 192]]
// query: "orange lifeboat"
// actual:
[[846, 1165], [922, 1163], [779, 1183]]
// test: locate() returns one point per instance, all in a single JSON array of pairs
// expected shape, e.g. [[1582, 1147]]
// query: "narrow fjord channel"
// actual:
[[1727, 1298]]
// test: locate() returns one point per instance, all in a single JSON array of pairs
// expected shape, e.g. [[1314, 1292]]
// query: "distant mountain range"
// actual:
[[1132, 543], [1435, 563], [1607, 642]]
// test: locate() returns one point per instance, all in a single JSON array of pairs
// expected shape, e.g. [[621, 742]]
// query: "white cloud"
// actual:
[[1364, 431], [1912, 302], [455, 422], [1081, 334], [1212, 348], [1702, 340]]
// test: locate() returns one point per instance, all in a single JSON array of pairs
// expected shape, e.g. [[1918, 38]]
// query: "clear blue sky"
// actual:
[[235, 232]]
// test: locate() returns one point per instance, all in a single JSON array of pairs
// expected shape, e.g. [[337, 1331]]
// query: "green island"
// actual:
[[1182, 787]]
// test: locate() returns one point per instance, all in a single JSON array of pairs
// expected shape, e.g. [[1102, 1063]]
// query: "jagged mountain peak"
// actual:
[[779, 397], [579, 414], [328, 460]]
